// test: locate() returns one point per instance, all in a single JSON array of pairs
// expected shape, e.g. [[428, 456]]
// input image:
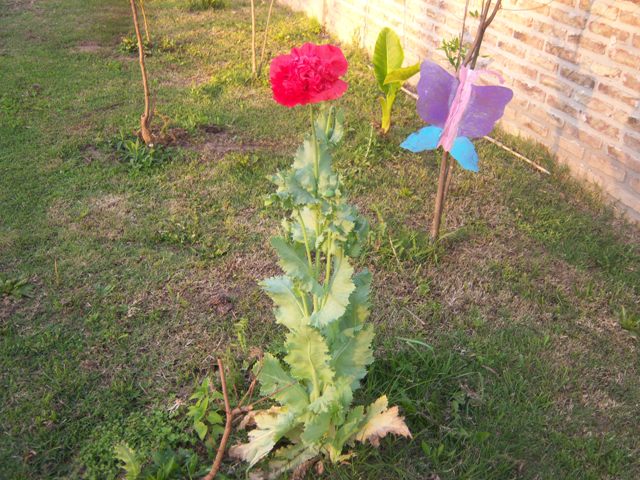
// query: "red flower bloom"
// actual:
[[310, 74]]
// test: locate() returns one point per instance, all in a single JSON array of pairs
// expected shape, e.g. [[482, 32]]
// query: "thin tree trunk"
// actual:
[[145, 119], [264, 39], [446, 166], [440, 196], [146, 25], [254, 68]]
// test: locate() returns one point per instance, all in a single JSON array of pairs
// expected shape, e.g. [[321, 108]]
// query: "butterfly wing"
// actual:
[[485, 108], [436, 90], [424, 139], [465, 153]]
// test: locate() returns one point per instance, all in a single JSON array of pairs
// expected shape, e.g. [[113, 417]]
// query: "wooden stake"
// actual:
[[146, 25], [145, 119], [264, 39], [254, 68], [227, 427]]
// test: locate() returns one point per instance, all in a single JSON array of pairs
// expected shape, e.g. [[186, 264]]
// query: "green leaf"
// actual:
[[316, 427], [294, 262], [353, 354], [336, 298], [401, 75], [289, 311], [272, 425], [214, 418], [201, 429], [273, 379], [130, 461], [308, 358], [387, 56]]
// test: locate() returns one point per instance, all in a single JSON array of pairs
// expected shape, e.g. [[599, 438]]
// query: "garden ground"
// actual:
[[501, 344]]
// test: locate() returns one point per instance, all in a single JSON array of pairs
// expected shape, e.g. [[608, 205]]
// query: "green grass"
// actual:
[[136, 277]]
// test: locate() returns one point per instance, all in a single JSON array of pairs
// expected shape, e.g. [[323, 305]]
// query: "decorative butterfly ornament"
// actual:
[[457, 110]]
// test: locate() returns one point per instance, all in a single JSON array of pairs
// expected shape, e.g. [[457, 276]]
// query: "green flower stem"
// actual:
[[306, 238], [327, 272]]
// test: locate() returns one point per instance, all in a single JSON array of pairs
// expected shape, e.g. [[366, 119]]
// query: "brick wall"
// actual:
[[574, 66]]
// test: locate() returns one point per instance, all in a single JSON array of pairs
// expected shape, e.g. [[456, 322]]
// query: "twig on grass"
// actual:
[[227, 427]]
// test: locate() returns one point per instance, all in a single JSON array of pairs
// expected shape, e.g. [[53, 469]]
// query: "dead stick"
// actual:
[[253, 38], [227, 427], [145, 119], [442, 180], [264, 39]]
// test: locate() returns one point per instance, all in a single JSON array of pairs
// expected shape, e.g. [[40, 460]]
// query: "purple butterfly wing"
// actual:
[[485, 108], [436, 90]]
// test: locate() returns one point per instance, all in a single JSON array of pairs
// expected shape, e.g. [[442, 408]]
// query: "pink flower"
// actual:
[[310, 74]]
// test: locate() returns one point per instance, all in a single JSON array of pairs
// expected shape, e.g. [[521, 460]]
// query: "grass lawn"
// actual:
[[501, 344]]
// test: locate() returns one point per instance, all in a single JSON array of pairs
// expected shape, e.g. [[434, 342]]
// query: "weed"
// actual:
[[138, 156], [197, 5], [15, 287]]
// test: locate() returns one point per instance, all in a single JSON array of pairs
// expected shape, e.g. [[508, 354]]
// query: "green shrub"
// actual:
[[195, 5], [146, 432]]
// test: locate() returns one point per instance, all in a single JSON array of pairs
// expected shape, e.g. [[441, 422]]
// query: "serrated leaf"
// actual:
[[348, 429], [272, 425], [334, 399], [130, 462], [273, 379], [352, 355], [294, 262], [381, 421], [387, 56], [336, 298], [288, 310], [316, 427], [308, 358], [401, 75]]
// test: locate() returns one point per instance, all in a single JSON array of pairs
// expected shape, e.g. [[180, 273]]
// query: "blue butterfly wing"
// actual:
[[424, 139], [465, 153]]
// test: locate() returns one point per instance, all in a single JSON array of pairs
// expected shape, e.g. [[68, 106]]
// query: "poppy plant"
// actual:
[[309, 74]]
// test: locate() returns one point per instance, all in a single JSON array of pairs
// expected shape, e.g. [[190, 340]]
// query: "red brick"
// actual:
[[584, 43], [561, 52], [535, 126], [606, 165], [543, 62], [609, 71], [573, 19], [624, 158], [571, 146], [529, 90], [529, 40], [634, 123], [632, 142], [603, 127], [562, 106], [590, 140], [614, 92], [578, 78], [603, 10], [556, 31], [555, 84], [608, 30], [631, 81], [635, 184], [630, 18], [636, 41], [626, 57]]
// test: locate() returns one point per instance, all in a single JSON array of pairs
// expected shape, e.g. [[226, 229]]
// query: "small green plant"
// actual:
[[454, 52], [324, 305], [129, 45], [137, 155], [207, 422], [388, 57], [15, 287], [168, 462], [629, 322], [197, 5]]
